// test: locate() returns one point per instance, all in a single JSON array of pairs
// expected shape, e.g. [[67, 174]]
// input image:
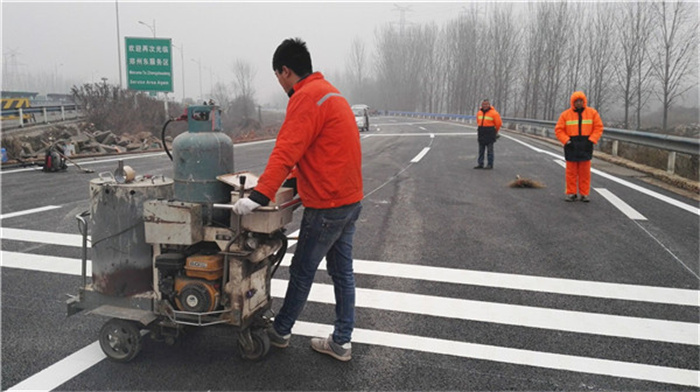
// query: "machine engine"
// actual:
[[191, 283]]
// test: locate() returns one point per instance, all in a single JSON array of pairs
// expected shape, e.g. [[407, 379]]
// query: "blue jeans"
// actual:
[[324, 232], [489, 154]]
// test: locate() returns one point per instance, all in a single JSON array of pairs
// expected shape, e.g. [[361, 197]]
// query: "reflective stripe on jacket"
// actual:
[[319, 135], [590, 123], [488, 123], [489, 119]]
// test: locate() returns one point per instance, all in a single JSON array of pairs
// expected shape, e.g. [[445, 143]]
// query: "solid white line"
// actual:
[[562, 320], [621, 205], [444, 307], [420, 155], [518, 315], [34, 262], [44, 237], [57, 374], [422, 128], [656, 195], [629, 292], [515, 356], [26, 212]]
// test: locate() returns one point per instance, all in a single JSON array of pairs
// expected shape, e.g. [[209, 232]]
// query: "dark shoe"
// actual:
[[585, 199], [278, 340], [479, 167], [328, 346], [489, 167], [570, 197]]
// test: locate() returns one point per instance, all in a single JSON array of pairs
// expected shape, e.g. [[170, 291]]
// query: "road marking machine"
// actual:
[[168, 254]]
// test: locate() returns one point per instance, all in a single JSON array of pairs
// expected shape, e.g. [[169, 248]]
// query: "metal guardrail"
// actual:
[[44, 111], [672, 144]]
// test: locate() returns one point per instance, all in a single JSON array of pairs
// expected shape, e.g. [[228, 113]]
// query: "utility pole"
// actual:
[[402, 16], [119, 45]]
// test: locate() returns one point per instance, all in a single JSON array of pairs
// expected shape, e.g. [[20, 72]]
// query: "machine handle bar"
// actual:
[[280, 207]]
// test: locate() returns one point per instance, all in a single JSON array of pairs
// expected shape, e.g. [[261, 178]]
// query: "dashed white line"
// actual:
[[420, 155], [621, 205]]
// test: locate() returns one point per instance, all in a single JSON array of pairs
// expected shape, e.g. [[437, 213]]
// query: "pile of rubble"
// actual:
[[80, 139]]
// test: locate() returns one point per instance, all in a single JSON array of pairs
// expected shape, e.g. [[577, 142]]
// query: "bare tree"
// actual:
[[634, 25], [675, 57], [222, 96], [600, 53], [504, 40], [243, 74], [356, 68]]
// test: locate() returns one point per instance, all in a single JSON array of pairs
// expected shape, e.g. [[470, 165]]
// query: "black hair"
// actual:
[[293, 54]]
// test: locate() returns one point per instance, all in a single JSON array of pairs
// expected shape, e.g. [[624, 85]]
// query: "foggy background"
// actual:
[[441, 57], [74, 43]]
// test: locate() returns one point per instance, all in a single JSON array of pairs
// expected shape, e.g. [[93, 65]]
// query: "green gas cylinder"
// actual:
[[199, 156]]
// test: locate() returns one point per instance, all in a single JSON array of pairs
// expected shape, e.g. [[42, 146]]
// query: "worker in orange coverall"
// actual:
[[578, 129]]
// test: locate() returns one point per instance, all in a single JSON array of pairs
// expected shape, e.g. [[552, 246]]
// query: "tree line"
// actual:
[[624, 56]]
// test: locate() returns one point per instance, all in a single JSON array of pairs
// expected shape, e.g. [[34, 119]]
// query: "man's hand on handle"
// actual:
[[245, 206]]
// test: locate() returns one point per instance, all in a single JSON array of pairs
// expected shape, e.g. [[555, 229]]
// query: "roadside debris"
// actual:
[[79, 139]]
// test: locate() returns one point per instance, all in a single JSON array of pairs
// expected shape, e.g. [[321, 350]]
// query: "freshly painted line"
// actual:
[[34, 262], [561, 320], [621, 205], [44, 237], [517, 315], [627, 292], [420, 155], [57, 374], [444, 307], [586, 365], [128, 157], [656, 195], [27, 212]]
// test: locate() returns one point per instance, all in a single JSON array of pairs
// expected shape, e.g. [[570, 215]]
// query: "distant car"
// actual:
[[361, 117]]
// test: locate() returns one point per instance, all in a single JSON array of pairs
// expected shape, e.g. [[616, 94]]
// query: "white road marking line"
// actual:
[[621, 205], [422, 128], [561, 320], [85, 358], [518, 315], [27, 212], [126, 157], [420, 155], [586, 365], [44, 237], [628, 292], [60, 372], [559, 159]]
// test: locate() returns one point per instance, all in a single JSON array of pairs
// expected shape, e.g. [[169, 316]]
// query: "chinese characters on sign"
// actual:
[[149, 64]]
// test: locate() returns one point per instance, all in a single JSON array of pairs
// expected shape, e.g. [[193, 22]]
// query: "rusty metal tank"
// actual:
[[121, 258]]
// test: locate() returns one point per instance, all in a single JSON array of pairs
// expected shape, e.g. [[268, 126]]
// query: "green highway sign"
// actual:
[[149, 65]]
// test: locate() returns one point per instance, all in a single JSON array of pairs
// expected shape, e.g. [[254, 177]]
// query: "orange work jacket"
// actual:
[[590, 124], [319, 135]]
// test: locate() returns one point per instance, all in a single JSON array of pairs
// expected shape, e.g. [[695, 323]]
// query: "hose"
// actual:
[[162, 138]]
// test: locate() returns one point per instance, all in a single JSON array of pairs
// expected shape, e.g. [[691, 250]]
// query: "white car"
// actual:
[[361, 117]]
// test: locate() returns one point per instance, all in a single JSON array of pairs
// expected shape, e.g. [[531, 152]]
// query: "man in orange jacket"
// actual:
[[319, 142], [489, 123], [578, 129]]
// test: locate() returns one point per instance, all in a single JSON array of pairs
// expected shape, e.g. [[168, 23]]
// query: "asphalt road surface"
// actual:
[[464, 283]]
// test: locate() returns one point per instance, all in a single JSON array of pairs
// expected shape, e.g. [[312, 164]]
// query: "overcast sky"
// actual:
[[78, 40]]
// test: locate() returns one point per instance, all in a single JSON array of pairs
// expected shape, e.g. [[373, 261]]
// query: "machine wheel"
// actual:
[[120, 339], [257, 345]]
